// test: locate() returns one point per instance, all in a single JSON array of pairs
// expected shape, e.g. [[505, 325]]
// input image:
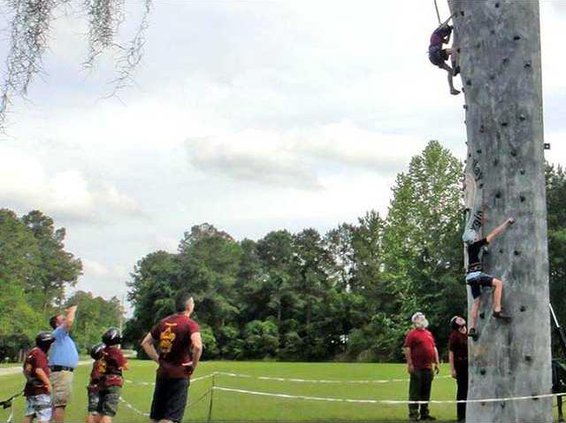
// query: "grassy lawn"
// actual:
[[237, 406]]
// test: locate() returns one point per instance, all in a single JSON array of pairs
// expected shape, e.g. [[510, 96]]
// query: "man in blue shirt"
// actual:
[[63, 358]]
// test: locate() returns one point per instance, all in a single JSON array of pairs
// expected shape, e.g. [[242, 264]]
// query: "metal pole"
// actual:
[[209, 419], [437, 13]]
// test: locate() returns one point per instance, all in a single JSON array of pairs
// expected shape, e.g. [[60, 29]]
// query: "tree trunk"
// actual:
[[499, 42]]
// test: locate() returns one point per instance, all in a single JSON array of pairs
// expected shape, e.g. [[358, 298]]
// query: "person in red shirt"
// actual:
[[180, 348], [38, 387], [458, 359], [422, 356], [111, 366], [93, 388]]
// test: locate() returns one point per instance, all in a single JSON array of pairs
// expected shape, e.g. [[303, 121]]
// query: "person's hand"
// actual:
[[48, 386], [453, 372], [436, 368], [410, 368], [189, 367]]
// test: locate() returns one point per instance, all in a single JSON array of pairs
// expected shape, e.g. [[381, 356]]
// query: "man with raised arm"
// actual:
[[477, 279], [180, 347], [63, 358]]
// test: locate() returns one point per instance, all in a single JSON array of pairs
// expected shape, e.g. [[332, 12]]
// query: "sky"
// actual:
[[250, 115]]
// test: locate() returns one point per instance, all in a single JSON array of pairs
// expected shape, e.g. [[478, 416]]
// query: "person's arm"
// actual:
[[499, 229], [196, 352], [43, 377], [451, 361], [149, 348], [70, 317], [410, 367], [436, 361]]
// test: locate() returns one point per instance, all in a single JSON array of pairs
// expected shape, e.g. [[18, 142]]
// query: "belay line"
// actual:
[[372, 401]]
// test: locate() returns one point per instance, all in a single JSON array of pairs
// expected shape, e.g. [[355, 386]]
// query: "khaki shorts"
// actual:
[[62, 386]]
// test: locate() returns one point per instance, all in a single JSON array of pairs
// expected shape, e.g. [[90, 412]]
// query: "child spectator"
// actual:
[[112, 364], [93, 388], [38, 387]]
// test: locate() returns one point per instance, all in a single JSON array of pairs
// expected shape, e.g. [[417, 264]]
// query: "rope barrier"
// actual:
[[197, 379], [321, 381], [372, 401]]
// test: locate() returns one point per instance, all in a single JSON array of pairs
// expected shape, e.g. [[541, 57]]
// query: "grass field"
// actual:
[[232, 406]]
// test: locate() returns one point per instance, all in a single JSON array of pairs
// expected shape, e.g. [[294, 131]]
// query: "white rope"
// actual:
[[322, 381], [131, 407], [196, 379], [372, 401]]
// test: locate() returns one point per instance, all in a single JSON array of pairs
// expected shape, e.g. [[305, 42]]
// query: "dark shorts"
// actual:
[[108, 402], [476, 280], [437, 55], [169, 399], [93, 399]]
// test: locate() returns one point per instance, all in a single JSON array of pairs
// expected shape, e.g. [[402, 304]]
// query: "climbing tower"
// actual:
[[499, 46]]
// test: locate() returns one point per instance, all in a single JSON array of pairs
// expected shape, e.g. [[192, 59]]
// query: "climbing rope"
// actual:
[[437, 13]]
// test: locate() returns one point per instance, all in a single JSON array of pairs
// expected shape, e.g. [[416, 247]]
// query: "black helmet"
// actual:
[[112, 337], [43, 340], [96, 351], [457, 322]]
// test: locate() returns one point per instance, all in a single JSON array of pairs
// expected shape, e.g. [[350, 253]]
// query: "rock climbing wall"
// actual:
[[499, 43]]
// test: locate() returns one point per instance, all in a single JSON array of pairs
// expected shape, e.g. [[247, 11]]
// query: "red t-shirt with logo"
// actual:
[[95, 376], [36, 359], [422, 346], [111, 365], [173, 334]]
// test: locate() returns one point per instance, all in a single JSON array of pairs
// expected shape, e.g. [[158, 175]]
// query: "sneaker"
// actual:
[[454, 92], [502, 316], [472, 333], [456, 70]]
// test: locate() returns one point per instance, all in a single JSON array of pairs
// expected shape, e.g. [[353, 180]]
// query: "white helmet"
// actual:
[[469, 236]]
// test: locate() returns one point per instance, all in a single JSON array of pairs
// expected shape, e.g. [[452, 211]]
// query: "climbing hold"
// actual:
[[482, 372], [523, 308], [522, 117], [513, 153], [496, 5], [504, 124], [478, 151], [527, 65], [461, 12], [482, 129], [498, 194], [501, 251], [547, 146], [458, 49], [517, 253], [465, 106], [469, 154], [522, 171], [492, 32], [528, 358], [505, 60], [469, 82], [481, 185], [495, 162], [478, 45], [522, 198], [517, 37], [492, 77], [482, 315], [502, 404]]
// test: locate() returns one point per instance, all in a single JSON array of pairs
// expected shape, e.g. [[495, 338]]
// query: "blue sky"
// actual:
[[250, 115]]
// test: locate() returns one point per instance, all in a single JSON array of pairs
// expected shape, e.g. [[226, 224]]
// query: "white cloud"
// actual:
[[92, 268], [25, 182]]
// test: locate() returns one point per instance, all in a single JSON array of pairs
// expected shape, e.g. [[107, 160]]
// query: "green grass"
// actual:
[[230, 406]]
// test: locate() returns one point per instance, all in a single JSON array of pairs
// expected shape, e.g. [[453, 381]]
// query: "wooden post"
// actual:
[[499, 43]]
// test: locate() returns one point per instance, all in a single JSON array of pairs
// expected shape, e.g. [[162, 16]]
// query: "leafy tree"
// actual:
[[59, 269], [94, 316]]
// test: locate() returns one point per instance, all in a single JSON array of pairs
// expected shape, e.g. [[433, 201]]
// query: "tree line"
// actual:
[[36, 273], [347, 294]]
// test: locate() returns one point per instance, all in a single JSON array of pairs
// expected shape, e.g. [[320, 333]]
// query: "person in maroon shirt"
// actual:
[[38, 387], [93, 388], [458, 359], [111, 366], [421, 355], [438, 56], [180, 348]]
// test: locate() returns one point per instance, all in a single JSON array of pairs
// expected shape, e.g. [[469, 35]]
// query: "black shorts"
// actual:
[[169, 399], [476, 280], [437, 55]]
